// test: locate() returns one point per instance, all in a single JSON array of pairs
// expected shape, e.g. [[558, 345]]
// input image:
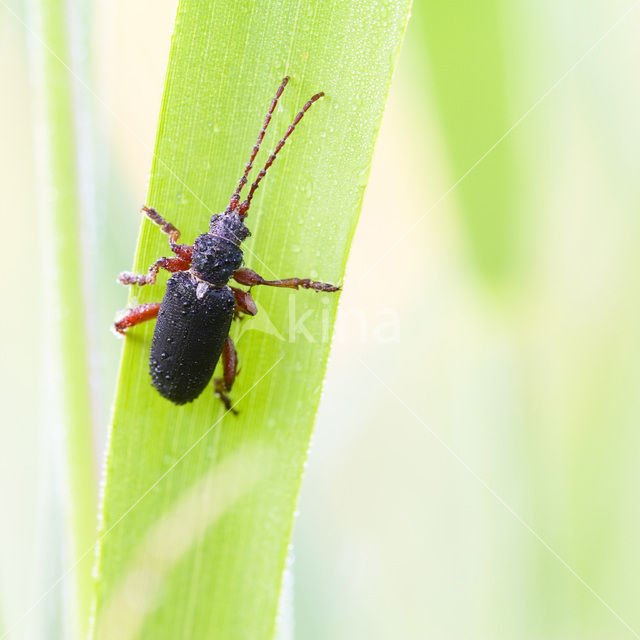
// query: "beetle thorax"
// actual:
[[217, 254]]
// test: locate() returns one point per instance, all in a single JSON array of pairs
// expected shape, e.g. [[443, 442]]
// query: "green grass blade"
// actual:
[[69, 400], [468, 51], [233, 482]]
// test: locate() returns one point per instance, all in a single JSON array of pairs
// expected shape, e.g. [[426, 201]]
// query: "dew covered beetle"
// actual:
[[195, 315]]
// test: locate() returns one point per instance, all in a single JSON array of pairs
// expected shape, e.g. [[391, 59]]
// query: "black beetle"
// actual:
[[195, 315]]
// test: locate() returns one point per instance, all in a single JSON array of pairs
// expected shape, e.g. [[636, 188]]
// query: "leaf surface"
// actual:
[[219, 576]]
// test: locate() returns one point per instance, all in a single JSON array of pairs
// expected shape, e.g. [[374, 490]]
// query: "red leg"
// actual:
[[222, 386], [135, 316], [183, 251], [244, 302], [165, 227], [170, 264], [251, 278]]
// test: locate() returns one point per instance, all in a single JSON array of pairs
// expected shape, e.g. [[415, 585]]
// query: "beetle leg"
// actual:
[[244, 303], [251, 278], [170, 264], [165, 227], [181, 250], [222, 386], [136, 315]]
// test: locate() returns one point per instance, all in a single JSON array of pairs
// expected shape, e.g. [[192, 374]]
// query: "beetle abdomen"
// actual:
[[192, 326]]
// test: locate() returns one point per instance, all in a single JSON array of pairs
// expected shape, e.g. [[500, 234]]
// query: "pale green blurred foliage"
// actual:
[[518, 346]]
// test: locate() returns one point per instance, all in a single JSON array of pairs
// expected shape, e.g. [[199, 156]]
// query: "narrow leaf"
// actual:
[[226, 61], [68, 399], [467, 47]]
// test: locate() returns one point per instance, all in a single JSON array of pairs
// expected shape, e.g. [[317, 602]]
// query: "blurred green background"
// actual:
[[474, 471]]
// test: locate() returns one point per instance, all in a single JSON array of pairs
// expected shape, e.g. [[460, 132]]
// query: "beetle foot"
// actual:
[[220, 390], [127, 278]]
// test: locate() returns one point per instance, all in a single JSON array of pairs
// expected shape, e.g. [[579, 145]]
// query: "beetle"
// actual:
[[195, 315]]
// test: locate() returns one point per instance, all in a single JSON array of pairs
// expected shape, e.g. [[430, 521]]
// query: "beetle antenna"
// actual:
[[244, 207], [235, 198]]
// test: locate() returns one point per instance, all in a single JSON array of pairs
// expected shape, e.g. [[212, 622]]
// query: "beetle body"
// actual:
[[192, 326], [195, 315]]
